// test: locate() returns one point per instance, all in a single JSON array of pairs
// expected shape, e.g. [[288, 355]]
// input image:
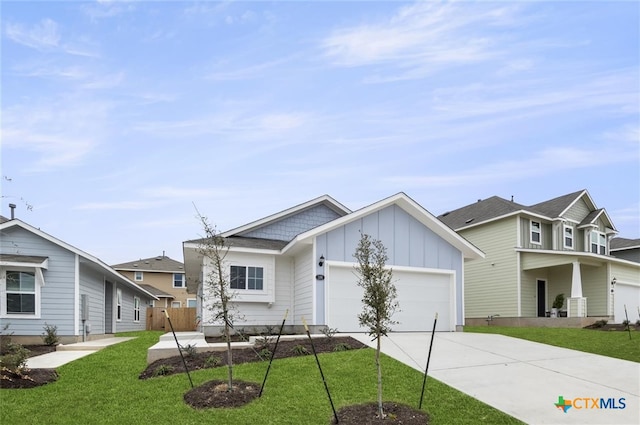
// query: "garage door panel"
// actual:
[[628, 295], [420, 296]]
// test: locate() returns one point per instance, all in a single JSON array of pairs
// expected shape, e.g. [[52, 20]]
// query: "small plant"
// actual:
[[263, 341], [50, 335], [600, 323], [189, 350], [15, 359], [300, 350], [265, 354], [558, 302], [242, 333], [626, 324], [212, 361], [163, 370], [5, 339], [342, 346], [329, 332], [270, 329]]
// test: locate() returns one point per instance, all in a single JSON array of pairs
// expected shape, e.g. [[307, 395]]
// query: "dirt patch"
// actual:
[[36, 350], [612, 327], [30, 378], [289, 348], [215, 394], [367, 414]]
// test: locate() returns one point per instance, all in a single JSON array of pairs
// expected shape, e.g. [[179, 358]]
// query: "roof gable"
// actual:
[[408, 205], [557, 207], [161, 263], [481, 211], [326, 207]]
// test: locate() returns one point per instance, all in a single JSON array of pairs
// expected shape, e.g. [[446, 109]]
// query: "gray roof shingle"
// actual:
[[480, 211], [161, 263], [554, 207], [624, 243]]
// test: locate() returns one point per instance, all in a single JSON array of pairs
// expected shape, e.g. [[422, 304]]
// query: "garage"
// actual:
[[629, 295], [420, 294]]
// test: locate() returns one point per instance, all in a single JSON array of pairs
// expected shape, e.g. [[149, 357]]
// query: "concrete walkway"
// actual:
[[522, 378], [70, 352]]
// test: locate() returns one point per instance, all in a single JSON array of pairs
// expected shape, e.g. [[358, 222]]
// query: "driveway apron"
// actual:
[[525, 379]]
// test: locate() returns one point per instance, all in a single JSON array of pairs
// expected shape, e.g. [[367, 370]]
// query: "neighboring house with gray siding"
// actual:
[[301, 260], [45, 280], [627, 249], [533, 253]]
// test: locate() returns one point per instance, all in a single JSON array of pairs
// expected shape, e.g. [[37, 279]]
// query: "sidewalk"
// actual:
[[70, 352]]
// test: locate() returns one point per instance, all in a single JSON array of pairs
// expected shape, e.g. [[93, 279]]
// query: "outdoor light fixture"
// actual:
[[321, 263], [613, 283]]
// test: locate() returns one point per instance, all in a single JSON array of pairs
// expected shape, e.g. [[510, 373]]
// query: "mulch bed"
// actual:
[[612, 327], [30, 378], [367, 414], [215, 394]]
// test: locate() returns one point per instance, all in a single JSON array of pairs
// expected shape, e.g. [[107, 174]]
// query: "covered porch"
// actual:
[[583, 278]]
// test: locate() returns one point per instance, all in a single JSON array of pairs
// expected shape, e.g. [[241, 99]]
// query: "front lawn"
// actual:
[[606, 343], [103, 388]]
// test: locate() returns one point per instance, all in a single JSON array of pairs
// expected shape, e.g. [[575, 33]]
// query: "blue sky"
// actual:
[[118, 116]]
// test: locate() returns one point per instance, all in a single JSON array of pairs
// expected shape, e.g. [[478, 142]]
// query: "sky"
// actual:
[[120, 118]]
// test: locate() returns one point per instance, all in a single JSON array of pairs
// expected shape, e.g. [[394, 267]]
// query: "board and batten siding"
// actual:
[[303, 286], [57, 294], [491, 284], [92, 285], [409, 243]]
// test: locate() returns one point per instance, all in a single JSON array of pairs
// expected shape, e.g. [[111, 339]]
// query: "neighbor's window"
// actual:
[[118, 304], [598, 243], [251, 278], [138, 276], [176, 304], [21, 292], [136, 309], [568, 236], [535, 232], [178, 280], [191, 302]]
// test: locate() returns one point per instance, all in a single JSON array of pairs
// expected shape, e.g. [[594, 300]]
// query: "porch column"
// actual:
[[576, 281], [576, 304]]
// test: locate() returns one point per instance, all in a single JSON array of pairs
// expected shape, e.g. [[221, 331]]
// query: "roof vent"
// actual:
[[446, 214], [158, 258], [479, 200], [469, 221]]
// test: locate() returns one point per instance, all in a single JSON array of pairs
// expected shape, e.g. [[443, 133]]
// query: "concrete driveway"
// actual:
[[525, 379]]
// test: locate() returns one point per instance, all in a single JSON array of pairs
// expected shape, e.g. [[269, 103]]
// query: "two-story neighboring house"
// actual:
[[162, 276], [533, 253]]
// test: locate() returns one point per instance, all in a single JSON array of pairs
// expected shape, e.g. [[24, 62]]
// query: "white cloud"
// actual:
[[42, 36]]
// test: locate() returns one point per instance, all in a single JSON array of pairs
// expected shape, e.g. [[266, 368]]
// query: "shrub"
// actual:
[[626, 324], [600, 323], [5, 339], [300, 350], [212, 361], [265, 354], [15, 359], [189, 350], [329, 332], [263, 341], [270, 329], [50, 334], [342, 346], [163, 370]]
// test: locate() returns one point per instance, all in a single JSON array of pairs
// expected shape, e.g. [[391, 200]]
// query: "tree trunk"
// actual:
[[380, 411], [227, 332]]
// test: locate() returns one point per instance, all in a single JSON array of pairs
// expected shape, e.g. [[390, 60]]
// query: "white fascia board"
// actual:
[[580, 254], [501, 217], [43, 265]]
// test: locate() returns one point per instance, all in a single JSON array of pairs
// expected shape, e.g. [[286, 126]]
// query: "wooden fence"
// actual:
[[182, 319]]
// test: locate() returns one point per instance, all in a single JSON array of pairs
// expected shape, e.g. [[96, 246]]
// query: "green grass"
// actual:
[[104, 388], [606, 343]]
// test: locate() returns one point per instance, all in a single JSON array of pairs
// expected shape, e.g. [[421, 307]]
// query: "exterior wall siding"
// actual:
[[289, 227], [92, 285], [578, 211], [127, 324], [491, 283], [546, 235], [629, 254], [594, 289], [529, 292], [560, 283], [57, 294], [408, 243], [303, 286]]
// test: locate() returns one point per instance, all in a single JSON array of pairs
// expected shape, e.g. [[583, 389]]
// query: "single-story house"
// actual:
[[536, 252], [44, 280], [302, 260]]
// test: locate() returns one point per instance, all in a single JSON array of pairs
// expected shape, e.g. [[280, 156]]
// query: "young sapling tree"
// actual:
[[379, 298]]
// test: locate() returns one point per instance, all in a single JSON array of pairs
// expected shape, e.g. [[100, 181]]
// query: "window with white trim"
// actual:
[[247, 277], [536, 232], [20, 291], [138, 276], [598, 242], [191, 302], [176, 304], [136, 309], [118, 305], [178, 280], [567, 236]]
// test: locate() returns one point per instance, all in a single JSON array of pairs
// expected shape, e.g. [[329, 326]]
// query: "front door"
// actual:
[[542, 298]]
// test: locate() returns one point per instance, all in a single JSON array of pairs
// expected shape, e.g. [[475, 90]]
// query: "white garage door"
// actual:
[[628, 295], [420, 296]]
